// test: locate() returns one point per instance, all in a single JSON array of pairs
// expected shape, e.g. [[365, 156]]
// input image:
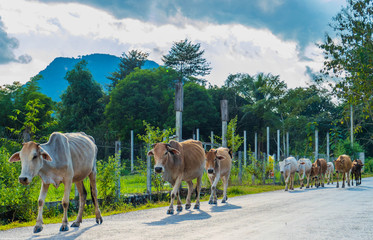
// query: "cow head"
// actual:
[[32, 157], [162, 153], [282, 165], [301, 165], [212, 161], [339, 163]]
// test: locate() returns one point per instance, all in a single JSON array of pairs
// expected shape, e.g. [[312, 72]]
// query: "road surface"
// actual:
[[324, 213]]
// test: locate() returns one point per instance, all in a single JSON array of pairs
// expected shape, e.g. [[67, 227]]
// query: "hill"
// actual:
[[100, 65]]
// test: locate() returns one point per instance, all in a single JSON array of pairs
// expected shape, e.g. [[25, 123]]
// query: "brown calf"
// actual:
[[343, 165], [182, 161], [318, 171], [218, 165], [357, 165]]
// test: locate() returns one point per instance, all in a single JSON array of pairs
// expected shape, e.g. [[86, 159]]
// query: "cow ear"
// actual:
[[219, 157], [318, 163], [45, 155], [230, 152], [15, 157], [173, 151], [151, 152]]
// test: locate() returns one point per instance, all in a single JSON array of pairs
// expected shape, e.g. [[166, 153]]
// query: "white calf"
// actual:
[[304, 169], [288, 167]]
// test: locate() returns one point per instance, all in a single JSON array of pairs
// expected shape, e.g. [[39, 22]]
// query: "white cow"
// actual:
[[288, 167], [330, 171], [65, 158], [304, 169]]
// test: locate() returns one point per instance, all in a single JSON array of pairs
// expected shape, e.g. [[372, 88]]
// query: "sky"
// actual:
[[252, 36]]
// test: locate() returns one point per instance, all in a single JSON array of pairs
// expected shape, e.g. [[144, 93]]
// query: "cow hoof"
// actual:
[[170, 211], [99, 220], [308, 187], [75, 224], [179, 208], [322, 185], [337, 186], [210, 202], [187, 206], [64, 228], [38, 229], [215, 202], [196, 206], [300, 187], [343, 186], [223, 201]]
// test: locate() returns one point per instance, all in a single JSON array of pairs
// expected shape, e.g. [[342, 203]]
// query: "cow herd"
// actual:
[[318, 172], [71, 157]]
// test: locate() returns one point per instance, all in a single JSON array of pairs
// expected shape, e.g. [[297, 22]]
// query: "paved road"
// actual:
[[326, 213]]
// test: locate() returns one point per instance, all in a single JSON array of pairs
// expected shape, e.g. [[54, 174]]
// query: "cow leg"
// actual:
[[190, 191], [92, 183], [343, 178], [198, 187], [211, 178], [179, 208], [173, 195], [65, 205], [286, 182], [82, 201], [292, 181], [39, 221], [337, 180], [348, 178], [322, 180], [213, 188], [308, 181], [225, 182]]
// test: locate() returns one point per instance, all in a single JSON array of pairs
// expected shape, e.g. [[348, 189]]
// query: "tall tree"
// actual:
[[187, 59], [81, 106], [142, 95], [128, 62], [349, 55]]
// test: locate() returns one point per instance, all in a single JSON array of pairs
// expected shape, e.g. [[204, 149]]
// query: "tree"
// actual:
[[199, 110], [16, 101], [187, 59], [128, 63], [81, 107], [142, 95], [349, 56]]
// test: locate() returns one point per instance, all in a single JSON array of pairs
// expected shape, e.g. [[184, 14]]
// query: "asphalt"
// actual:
[[324, 213]]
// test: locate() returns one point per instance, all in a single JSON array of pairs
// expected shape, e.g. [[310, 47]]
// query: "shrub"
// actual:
[[107, 178]]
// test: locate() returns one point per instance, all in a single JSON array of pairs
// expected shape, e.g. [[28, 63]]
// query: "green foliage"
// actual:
[[187, 59], [107, 177], [128, 63], [31, 120], [348, 55], [81, 108], [17, 202], [344, 147], [233, 138], [144, 95]]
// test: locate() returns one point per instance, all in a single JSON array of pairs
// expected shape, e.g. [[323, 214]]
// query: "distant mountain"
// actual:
[[53, 82]]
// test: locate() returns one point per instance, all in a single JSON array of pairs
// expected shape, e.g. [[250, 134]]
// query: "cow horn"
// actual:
[[168, 145], [153, 145]]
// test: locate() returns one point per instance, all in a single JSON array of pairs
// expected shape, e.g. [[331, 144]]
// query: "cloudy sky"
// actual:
[[252, 36]]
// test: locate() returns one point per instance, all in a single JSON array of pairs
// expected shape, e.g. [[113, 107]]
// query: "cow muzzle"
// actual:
[[210, 171], [24, 180], [158, 169]]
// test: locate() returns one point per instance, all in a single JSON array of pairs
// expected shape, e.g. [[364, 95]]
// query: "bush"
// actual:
[[369, 166], [18, 202], [107, 177]]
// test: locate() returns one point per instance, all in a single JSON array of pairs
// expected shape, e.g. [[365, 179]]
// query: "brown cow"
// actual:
[[356, 168], [343, 165], [65, 158], [318, 171], [182, 161], [218, 165]]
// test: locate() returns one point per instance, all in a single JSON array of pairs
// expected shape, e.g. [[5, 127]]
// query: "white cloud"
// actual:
[[46, 31]]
